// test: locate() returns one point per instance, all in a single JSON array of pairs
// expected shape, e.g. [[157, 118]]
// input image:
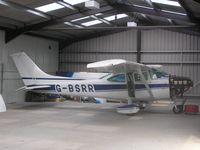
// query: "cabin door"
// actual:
[[130, 84]]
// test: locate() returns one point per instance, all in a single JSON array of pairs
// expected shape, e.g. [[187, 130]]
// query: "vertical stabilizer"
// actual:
[[28, 70], [2, 104]]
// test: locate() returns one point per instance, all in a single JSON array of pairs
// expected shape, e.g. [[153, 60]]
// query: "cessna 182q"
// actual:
[[137, 83]]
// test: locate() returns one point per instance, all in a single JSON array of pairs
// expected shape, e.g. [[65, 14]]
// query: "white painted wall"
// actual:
[[37, 49]]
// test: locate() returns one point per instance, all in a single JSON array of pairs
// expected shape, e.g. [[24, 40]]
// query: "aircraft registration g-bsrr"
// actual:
[[124, 80]]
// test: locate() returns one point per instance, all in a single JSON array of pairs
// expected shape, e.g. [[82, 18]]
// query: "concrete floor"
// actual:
[[75, 126]]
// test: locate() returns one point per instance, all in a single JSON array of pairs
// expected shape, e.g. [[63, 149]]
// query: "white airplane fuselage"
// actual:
[[101, 88]]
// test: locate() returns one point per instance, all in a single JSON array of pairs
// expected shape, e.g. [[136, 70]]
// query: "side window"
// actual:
[[117, 78], [152, 75], [138, 77]]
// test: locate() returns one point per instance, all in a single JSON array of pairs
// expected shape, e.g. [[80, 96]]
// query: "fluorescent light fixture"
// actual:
[[119, 16], [73, 25], [74, 2], [50, 7], [143, 7], [38, 13], [173, 12], [167, 2], [91, 23], [82, 18], [86, 17], [98, 14]]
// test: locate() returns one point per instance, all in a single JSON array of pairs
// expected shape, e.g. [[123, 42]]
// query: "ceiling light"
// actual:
[[167, 2], [91, 23], [73, 25], [49, 7], [74, 2], [119, 16], [98, 14], [82, 18]]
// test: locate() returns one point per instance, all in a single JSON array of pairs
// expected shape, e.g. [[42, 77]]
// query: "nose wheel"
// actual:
[[177, 109]]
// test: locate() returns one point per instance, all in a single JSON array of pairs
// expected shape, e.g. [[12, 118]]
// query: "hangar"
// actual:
[[66, 35]]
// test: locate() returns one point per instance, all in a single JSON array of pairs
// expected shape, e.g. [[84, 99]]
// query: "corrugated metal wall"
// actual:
[[37, 49], [119, 45], [178, 52]]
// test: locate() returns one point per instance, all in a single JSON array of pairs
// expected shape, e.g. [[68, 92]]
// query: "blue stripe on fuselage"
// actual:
[[99, 87]]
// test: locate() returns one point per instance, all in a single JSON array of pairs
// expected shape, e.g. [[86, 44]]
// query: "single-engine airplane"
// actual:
[[125, 80]]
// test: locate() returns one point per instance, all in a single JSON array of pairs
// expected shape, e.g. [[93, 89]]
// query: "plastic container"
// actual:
[[191, 109]]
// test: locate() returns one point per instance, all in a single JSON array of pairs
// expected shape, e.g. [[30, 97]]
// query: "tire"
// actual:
[[178, 109]]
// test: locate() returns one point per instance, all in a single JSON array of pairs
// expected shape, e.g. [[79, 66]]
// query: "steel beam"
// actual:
[[139, 43], [64, 44], [131, 9], [122, 27], [189, 12], [10, 35]]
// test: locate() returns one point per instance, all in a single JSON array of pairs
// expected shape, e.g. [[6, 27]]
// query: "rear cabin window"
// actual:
[[117, 78]]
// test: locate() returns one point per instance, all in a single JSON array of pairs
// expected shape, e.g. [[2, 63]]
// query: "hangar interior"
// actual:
[[66, 35], [70, 35]]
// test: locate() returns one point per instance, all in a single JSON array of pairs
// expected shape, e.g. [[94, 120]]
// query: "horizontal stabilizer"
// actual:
[[33, 87]]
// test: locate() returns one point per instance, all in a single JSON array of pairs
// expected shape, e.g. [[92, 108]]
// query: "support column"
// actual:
[[139, 40]]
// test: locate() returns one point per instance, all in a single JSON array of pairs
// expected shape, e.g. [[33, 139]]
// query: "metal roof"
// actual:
[[67, 24]]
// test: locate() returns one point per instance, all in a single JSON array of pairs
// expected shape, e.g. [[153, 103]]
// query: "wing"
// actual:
[[116, 66], [123, 66]]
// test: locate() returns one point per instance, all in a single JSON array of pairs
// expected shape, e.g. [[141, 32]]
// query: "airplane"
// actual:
[[136, 83]]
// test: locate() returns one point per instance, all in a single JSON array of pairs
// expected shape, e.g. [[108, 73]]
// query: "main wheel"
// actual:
[[178, 109]]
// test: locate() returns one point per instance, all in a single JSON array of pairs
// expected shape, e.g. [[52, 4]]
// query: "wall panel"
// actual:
[[116, 46]]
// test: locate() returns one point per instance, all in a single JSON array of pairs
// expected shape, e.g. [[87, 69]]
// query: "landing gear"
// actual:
[[177, 109]]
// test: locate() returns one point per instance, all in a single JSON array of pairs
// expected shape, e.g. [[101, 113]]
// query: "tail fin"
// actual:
[[28, 70], [2, 104]]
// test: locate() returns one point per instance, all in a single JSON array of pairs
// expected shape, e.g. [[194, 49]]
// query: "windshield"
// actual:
[[157, 74]]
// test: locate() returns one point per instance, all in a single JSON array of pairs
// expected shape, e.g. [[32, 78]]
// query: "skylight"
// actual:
[[74, 2], [167, 2], [49, 7], [91, 23], [119, 16]]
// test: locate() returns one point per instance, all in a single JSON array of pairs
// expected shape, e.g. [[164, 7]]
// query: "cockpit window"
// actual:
[[117, 78]]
